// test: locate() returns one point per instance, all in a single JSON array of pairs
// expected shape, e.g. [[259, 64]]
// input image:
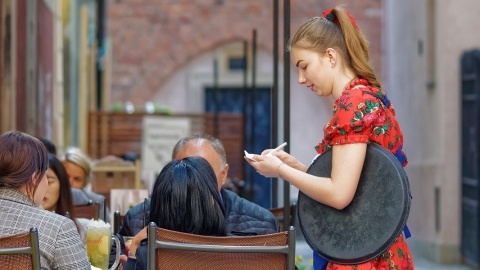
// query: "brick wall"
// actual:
[[152, 39]]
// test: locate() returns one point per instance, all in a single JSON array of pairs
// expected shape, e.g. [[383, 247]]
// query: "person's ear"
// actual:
[[224, 173], [332, 56], [35, 178]]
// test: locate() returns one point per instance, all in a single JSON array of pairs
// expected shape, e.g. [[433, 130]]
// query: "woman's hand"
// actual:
[[136, 242], [265, 165], [287, 159]]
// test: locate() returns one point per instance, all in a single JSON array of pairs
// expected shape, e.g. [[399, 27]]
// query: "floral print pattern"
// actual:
[[396, 257], [364, 115]]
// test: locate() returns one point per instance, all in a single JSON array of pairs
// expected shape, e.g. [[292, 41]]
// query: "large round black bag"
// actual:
[[370, 223]]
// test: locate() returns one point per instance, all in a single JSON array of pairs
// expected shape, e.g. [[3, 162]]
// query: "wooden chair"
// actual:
[[175, 250], [88, 211], [20, 251], [278, 212]]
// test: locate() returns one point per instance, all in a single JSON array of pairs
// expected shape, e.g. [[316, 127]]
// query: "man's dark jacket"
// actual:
[[243, 217]]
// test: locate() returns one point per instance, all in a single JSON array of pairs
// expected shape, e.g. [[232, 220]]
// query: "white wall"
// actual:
[[430, 117], [456, 31]]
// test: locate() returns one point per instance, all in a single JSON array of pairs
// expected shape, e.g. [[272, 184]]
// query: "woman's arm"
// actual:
[[136, 241], [337, 191], [133, 261]]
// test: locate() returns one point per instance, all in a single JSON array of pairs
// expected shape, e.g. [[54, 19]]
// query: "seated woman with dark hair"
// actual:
[[23, 185], [185, 198], [58, 198]]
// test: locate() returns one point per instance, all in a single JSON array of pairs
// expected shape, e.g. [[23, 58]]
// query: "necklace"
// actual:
[[356, 82]]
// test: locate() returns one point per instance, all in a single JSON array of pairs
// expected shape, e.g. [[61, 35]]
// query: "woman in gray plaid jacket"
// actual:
[[23, 184]]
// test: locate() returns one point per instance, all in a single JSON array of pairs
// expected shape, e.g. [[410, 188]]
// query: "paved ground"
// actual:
[[304, 250], [424, 264]]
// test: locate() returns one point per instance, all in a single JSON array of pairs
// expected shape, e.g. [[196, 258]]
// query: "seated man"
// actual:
[[243, 217]]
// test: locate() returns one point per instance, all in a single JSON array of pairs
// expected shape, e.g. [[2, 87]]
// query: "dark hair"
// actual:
[[185, 198], [21, 157], [319, 33], [65, 201], [200, 138], [51, 148]]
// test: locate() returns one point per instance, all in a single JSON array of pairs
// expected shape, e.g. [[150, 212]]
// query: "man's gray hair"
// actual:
[[200, 138]]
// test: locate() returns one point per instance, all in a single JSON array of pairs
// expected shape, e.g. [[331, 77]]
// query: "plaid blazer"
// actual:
[[60, 244]]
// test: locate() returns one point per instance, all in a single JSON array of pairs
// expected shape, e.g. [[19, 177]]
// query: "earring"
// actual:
[[333, 64]]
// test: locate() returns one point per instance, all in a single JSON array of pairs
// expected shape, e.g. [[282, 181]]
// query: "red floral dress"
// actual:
[[364, 115]]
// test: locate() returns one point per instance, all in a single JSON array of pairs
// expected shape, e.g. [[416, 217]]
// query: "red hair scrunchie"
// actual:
[[337, 22]]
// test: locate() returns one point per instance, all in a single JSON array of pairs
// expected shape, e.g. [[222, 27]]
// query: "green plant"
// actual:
[[303, 265], [162, 109], [117, 107]]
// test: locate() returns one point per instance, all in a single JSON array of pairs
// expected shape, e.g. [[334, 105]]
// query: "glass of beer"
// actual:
[[99, 236]]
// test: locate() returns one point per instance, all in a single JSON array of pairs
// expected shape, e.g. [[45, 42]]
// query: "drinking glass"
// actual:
[[99, 236]]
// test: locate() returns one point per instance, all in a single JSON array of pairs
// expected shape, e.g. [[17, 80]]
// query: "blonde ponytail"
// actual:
[[357, 47], [339, 31]]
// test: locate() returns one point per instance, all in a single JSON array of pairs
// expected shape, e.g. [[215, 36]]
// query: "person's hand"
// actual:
[[123, 259], [287, 159], [136, 242], [265, 165]]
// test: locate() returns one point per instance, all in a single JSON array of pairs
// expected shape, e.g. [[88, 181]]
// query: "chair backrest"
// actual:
[[175, 250], [20, 251], [88, 211], [117, 221]]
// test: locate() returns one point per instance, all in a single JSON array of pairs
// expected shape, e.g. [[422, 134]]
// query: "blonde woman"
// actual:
[[78, 167]]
